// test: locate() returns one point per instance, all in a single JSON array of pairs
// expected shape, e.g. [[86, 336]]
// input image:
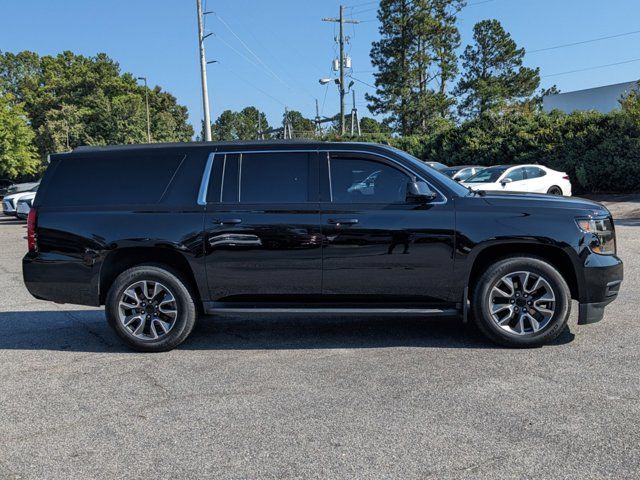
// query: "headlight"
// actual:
[[604, 237]]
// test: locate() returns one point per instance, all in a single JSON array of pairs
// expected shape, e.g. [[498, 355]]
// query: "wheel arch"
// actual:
[[125, 258], [554, 255]]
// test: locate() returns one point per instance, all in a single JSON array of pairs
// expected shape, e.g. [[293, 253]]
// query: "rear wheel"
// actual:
[[150, 308], [555, 190], [521, 302]]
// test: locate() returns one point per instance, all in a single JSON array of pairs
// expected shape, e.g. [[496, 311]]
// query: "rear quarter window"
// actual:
[[110, 180]]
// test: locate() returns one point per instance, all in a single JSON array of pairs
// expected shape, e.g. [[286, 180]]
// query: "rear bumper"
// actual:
[[603, 276], [61, 278]]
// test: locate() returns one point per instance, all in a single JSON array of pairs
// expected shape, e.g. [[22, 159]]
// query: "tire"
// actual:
[[554, 190], [166, 292], [493, 302]]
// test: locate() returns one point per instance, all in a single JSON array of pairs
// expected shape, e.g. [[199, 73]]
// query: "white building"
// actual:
[[601, 99]]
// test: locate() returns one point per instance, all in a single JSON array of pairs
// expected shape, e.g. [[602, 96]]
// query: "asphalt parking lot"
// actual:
[[282, 397]]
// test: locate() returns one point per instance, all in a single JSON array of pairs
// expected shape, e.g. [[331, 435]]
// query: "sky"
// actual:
[[271, 54]]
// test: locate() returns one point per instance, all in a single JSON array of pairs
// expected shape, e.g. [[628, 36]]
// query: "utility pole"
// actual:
[[146, 99], [203, 73], [355, 121], [317, 119], [341, 20]]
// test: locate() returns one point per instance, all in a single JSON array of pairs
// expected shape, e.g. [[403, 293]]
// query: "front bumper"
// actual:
[[603, 276], [8, 208]]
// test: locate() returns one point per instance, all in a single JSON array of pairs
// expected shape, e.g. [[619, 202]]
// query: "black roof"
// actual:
[[216, 145]]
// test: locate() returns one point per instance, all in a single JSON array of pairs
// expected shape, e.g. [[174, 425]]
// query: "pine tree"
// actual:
[[493, 74], [415, 59]]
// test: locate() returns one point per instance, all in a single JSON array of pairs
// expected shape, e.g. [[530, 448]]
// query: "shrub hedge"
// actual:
[[599, 152]]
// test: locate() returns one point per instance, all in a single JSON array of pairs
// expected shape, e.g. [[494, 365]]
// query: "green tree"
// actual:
[[301, 126], [74, 100], [18, 156], [242, 125], [493, 74], [224, 129], [630, 104], [415, 60], [249, 120], [371, 125]]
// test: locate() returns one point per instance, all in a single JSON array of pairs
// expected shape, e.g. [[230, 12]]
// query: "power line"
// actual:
[[480, 3], [360, 81], [275, 75], [253, 86], [361, 4], [584, 41], [591, 68]]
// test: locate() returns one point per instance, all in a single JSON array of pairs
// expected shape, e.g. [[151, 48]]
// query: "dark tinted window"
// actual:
[[535, 172], [223, 182], [275, 178], [112, 179], [366, 181], [516, 175]]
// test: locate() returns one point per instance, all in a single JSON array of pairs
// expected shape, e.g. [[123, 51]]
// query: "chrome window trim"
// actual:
[[224, 171], [204, 184]]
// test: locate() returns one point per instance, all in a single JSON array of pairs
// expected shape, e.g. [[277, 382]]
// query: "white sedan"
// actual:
[[521, 178]]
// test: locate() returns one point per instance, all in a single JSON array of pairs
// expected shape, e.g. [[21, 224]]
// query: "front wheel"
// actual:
[[521, 302], [150, 308]]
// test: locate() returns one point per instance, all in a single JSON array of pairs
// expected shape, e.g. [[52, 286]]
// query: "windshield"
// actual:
[[488, 175], [450, 172], [454, 186]]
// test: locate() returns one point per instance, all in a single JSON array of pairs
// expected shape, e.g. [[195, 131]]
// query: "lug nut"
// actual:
[[517, 294], [513, 301], [529, 302], [517, 309]]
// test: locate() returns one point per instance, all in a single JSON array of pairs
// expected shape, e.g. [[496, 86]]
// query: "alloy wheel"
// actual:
[[147, 310], [522, 303]]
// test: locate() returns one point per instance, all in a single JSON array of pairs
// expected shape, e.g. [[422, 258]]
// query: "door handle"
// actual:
[[228, 221], [343, 221]]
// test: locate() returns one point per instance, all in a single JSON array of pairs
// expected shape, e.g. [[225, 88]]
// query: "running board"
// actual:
[[431, 312]]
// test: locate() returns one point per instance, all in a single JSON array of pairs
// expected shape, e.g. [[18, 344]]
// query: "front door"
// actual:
[[380, 246], [262, 227], [518, 181]]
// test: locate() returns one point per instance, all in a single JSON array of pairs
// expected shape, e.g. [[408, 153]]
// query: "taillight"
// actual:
[[32, 239], [565, 177]]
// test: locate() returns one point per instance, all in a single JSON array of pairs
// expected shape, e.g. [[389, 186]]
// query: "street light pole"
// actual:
[[203, 74], [146, 99]]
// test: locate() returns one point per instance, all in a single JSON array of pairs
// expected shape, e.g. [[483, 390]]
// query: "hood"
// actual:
[[14, 197], [27, 196], [479, 186], [542, 200]]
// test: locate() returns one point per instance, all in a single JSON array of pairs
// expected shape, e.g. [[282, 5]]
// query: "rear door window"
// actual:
[[283, 177], [535, 172], [113, 179]]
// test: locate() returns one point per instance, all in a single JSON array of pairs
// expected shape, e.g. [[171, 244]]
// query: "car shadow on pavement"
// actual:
[[87, 331], [628, 222], [13, 221]]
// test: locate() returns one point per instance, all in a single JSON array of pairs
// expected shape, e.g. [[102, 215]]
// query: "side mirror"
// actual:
[[420, 191], [505, 181]]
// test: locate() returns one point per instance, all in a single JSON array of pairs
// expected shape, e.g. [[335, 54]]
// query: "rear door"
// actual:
[[379, 247], [262, 226], [536, 180]]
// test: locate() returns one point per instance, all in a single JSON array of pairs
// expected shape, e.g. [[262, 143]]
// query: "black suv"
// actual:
[[161, 233]]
